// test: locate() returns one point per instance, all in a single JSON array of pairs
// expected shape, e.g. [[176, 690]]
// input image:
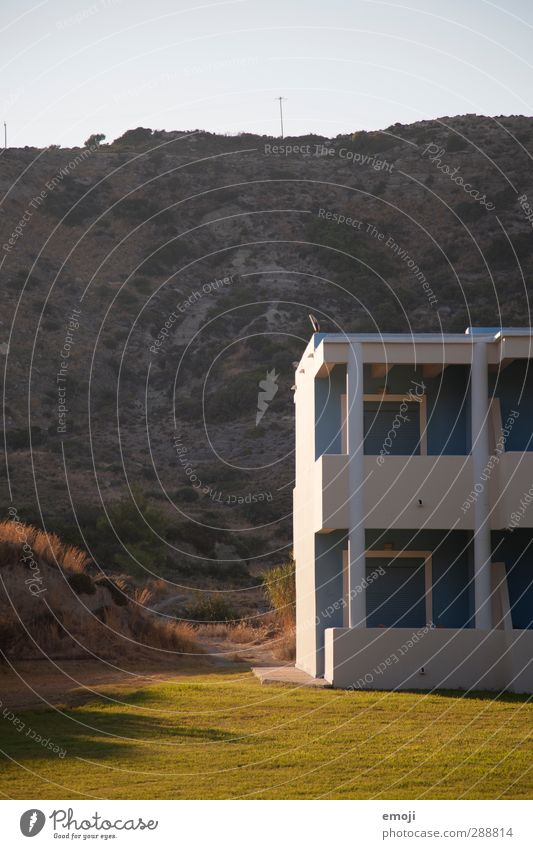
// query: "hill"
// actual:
[[53, 605], [151, 284]]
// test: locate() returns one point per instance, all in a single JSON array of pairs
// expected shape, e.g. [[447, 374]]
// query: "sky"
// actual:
[[70, 68]]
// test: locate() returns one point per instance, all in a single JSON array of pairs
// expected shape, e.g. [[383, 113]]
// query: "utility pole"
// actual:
[[5, 136], [281, 112]]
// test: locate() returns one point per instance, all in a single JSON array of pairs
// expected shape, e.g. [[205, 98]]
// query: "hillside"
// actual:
[[51, 606], [150, 284]]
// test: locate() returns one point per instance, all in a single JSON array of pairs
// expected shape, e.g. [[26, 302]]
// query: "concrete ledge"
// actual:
[[287, 675], [404, 659]]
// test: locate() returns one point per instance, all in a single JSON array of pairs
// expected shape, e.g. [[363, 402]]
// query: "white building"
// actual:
[[413, 510]]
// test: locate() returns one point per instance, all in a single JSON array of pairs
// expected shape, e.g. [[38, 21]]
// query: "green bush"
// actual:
[[187, 494], [136, 210], [134, 526], [363, 142], [139, 137], [167, 258], [279, 585], [212, 608], [18, 439], [505, 199], [455, 143]]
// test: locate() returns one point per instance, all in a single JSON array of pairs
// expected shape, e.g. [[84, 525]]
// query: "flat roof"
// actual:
[[492, 334]]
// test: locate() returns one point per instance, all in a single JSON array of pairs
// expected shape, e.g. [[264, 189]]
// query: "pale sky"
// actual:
[[70, 68]]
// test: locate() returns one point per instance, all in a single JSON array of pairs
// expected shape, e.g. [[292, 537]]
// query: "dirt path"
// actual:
[[222, 650], [33, 684], [38, 684]]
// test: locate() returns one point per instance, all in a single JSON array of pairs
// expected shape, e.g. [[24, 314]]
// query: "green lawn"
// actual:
[[226, 736]]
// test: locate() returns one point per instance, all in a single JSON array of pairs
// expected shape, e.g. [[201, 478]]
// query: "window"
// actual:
[[400, 595], [394, 425]]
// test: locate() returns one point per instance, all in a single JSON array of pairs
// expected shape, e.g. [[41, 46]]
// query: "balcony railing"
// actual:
[[425, 491]]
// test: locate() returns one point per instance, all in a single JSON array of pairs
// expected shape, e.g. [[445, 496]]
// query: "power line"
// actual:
[[281, 112]]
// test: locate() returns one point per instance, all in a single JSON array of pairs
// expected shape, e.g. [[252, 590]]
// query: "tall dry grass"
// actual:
[[242, 632], [279, 584], [44, 545], [68, 613]]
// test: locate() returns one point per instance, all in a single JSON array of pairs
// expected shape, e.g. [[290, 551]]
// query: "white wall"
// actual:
[[452, 659]]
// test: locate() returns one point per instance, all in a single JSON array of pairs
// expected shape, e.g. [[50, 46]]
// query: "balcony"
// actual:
[[511, 490], [442, 483], [393, 491]]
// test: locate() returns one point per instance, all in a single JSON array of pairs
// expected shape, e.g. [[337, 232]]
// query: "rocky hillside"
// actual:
[[151, 284]]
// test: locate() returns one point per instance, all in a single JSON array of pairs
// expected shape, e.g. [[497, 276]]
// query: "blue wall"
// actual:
[[448, 404], [453, 586], [453, 591], [329, 587], [514, 388], [516, 551], [398, 381], [449, 411], [328, 391]]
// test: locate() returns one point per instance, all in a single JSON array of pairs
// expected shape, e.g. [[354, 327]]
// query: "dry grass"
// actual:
[[242, 632], [51, 606], [44, 546], [285, 648], [160, 589], [143, 596]]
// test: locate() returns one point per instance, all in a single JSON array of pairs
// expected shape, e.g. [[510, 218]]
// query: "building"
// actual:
[[413, 510]]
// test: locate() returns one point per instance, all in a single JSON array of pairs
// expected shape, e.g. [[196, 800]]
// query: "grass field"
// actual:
[[226, 736]]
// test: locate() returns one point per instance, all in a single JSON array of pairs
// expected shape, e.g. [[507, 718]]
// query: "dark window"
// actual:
[[386, 431], [397, 598]]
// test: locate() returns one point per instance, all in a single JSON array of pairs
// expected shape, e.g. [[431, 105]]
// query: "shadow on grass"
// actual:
[[97, 734], [473, 695]]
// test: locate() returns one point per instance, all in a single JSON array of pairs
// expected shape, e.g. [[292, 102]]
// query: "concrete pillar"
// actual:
[[480, 457], [356, 472]]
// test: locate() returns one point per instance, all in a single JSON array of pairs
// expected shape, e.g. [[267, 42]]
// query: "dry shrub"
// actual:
[[74, 559], [212, 607], [72, 615], [280, 589], [175, 636], [44, 546], [143, 596], [285, 646], [215, 630], [160, 588], [244, 633], [117, 587]]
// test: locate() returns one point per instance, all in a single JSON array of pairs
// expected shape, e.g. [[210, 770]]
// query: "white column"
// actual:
[[356, 471], [480, 457]]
